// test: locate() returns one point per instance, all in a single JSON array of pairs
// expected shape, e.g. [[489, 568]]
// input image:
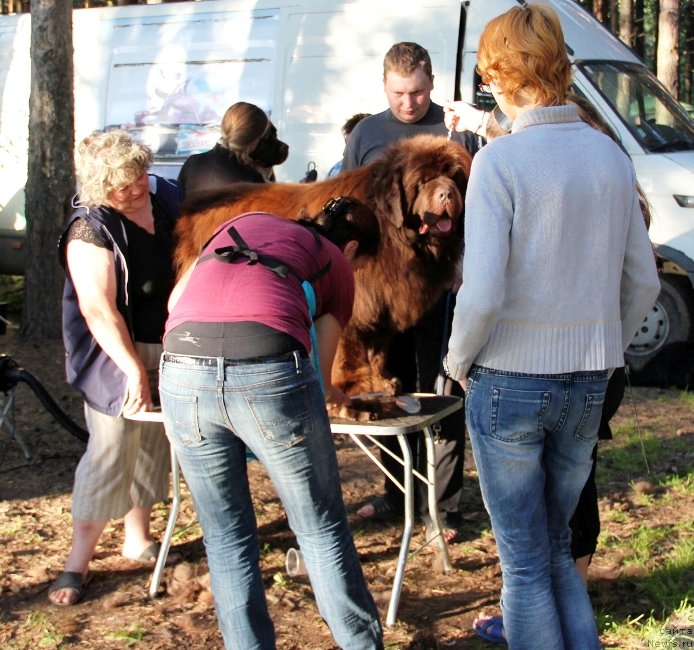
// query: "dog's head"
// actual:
[[270, 150], [249, 133], [428, 175]]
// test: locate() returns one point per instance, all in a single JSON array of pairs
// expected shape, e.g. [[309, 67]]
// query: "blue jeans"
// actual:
[[277, 409], [532, 438]]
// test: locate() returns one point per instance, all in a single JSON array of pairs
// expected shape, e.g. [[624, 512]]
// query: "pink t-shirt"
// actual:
[[231, 292]]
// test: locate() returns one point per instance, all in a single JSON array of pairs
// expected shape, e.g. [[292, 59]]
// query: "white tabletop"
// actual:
[[434, 408]]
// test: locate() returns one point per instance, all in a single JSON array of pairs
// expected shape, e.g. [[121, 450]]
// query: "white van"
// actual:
[[168, 72]]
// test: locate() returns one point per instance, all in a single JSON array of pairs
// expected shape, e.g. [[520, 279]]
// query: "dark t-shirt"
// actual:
[[215, 169], [374, 133]]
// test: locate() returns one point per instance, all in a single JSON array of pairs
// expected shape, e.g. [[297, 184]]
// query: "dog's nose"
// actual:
[[445, 195]]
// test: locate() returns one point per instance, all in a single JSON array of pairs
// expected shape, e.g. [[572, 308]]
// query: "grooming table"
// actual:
[[434, 408]]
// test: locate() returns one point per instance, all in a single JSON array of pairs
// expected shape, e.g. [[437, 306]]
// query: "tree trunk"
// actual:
[[666, 60], [639, 29], [51, 176], [614, 15], [688, 54], [599, 10], [626, 25]]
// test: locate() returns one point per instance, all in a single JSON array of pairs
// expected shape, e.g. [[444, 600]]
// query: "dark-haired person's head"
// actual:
[[351, 225], [351, 122]]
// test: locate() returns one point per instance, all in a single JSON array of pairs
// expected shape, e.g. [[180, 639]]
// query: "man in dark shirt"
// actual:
[[415, 355]]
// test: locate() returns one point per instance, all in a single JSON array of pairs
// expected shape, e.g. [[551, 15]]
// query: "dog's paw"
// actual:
[[354, 412], [392, 386]]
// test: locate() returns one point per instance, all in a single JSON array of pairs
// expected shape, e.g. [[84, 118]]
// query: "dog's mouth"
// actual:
[[442, 225]]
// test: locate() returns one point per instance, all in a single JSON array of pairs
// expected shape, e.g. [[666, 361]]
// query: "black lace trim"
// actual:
[[82, 230]]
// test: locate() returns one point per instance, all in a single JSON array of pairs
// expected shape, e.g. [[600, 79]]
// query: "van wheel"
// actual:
[[671, 319]]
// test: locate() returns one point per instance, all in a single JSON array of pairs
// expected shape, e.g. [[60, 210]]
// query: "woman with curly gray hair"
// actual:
[[116, 251]]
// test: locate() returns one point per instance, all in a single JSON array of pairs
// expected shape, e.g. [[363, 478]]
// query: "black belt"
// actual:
[[211, 362]]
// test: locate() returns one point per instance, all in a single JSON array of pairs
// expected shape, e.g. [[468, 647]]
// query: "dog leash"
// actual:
[[636, 419], [441, 386]]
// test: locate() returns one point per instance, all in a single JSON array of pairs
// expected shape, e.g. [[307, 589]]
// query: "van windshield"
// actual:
[[652, 115]]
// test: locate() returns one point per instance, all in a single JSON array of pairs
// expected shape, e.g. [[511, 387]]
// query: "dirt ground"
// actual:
[[436, 610]]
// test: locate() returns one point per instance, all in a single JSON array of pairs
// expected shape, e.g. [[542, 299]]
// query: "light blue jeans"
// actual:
[[276, 408], [532, 438]]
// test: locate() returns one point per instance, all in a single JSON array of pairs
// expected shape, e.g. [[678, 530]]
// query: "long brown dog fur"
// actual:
[[416, 190]]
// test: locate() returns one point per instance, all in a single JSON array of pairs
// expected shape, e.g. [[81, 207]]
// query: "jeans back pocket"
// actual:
[[517, 414], [284, 417], [181, 418], [589, 423]]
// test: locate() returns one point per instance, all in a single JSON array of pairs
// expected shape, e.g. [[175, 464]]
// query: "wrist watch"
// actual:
[[446, 371]]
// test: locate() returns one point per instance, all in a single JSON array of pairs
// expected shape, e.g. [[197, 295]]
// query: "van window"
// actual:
[[652, 115]]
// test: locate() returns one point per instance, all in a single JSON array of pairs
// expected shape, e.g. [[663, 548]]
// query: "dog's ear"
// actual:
[[460, 179], [396, 210]]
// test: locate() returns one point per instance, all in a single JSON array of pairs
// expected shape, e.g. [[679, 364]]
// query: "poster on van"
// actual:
[[173, 96]]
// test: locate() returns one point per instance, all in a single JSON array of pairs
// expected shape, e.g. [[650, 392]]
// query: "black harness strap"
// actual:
[[230, 254]]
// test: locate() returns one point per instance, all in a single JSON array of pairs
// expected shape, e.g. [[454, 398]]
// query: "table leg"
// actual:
[[408, 480], [7, 422], [431, 498], [168, 534]]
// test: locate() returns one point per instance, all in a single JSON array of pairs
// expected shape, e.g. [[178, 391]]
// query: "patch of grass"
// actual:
[[616, 516], [11, 528], [192, 530], [647, 541], [133, 636], [625, 458], [687, 397], [664, 584], [648, 631], [678, 485], [644, 500], [608, 541], [662, 587], [43, 630], [625, 453]]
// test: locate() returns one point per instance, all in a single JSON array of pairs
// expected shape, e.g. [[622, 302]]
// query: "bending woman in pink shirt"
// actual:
[[236, 373]]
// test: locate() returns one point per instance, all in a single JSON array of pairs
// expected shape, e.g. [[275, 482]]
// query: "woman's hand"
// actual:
[[138, 395]]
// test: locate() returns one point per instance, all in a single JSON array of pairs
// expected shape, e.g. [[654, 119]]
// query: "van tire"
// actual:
[[671, 319]]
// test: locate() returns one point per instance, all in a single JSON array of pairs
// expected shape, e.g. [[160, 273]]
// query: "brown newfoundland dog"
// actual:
[[416, 191]]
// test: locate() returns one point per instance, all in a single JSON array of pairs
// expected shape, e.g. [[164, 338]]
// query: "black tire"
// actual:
[[670, 320]]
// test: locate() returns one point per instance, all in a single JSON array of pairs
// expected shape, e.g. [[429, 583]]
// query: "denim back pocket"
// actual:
[[283, 418], [517, 414], [589, 424], [181, 418]]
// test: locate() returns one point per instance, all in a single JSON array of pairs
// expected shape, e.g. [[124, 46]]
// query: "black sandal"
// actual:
[[383, 510], [69, 580]]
